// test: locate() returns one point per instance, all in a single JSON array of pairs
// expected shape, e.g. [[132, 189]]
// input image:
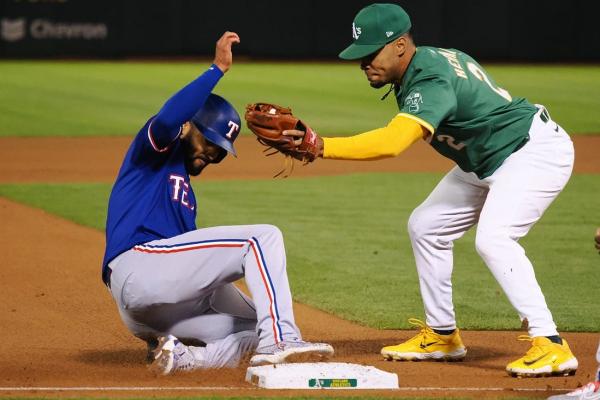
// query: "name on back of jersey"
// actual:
[[453, 61]]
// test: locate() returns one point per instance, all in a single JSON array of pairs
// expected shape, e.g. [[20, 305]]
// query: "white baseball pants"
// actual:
[[504, 206]]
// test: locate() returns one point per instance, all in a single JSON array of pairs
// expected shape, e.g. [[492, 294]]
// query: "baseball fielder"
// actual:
[[173, 283], [591, 391], [512, 161]]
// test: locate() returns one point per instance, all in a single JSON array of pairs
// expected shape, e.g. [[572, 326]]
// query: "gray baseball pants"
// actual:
[[184, 286]]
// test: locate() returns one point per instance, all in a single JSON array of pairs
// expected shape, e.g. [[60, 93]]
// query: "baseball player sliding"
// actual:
[[512, 161], [172, 283]]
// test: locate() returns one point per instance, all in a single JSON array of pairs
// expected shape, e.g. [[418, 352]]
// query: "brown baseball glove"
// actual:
[[268, 121]]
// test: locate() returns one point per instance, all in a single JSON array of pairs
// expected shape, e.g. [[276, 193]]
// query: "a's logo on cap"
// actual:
[[356, 31], [389, 33]]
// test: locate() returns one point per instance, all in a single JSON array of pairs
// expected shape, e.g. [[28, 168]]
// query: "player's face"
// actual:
[[383, 66], [199, 152]]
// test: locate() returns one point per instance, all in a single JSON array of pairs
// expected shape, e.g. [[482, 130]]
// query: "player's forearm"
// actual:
[[183, 105], [380, 143]]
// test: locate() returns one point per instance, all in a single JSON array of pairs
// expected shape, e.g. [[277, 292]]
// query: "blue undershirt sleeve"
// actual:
[[181, 107]]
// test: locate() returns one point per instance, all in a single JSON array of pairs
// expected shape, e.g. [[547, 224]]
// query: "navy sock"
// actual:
[[444, 331], [555, 339]]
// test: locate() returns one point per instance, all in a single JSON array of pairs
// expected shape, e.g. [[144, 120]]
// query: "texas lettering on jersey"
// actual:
[[151, 202], [180, 190], [152, 198]]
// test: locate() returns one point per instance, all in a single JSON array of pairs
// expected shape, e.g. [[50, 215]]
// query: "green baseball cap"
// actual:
[[375, 26]]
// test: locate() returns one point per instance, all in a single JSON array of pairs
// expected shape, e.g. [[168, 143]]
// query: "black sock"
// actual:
[[555, 339], [444, 332]]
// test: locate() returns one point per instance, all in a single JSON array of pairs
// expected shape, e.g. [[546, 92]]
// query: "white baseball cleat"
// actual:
[[591, 391], [171, 355], [291, 351]]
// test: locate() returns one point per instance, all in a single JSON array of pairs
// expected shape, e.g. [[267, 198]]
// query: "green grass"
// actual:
[[569, 92], [349, 252], [108, 98]]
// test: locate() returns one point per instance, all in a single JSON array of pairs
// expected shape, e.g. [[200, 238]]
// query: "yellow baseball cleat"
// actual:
[[544, 358], [427, 345]]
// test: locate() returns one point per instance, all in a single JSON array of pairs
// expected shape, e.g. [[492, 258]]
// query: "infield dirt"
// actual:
[[61, 329]]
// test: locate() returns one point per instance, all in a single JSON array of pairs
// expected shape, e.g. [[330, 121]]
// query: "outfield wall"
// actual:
[[513, 30]]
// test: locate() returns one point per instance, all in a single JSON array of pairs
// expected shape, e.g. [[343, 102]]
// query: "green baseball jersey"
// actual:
[[473, 121]]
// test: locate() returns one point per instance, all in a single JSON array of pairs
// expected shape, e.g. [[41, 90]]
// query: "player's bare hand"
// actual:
[[223, 55], [597, 238], [299, 135], [296, 134]]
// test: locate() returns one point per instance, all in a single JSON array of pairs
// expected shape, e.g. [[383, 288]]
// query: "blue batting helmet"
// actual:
[[219, 122]]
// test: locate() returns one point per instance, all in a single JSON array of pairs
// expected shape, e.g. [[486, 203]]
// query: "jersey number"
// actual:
[[479, 74]]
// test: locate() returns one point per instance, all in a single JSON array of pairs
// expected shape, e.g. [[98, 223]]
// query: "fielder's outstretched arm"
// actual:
[[380, 143]]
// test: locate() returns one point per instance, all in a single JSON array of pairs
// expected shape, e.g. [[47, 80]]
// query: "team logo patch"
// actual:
[[413, 101]]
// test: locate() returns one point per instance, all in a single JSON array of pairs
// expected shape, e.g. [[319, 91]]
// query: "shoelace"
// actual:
[[525, 338], [536, 350], [425, 330], [417, 322]]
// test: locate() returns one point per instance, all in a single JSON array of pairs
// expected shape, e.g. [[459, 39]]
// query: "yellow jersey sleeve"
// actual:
[[386, 142]]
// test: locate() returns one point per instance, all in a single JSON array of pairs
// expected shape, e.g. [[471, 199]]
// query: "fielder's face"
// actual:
[[385, 65], [199, 152]]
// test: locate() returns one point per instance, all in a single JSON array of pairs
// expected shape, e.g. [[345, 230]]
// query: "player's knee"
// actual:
[[274, 231], [488, 239], [483, 245], [419, 224], [269, 231]]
